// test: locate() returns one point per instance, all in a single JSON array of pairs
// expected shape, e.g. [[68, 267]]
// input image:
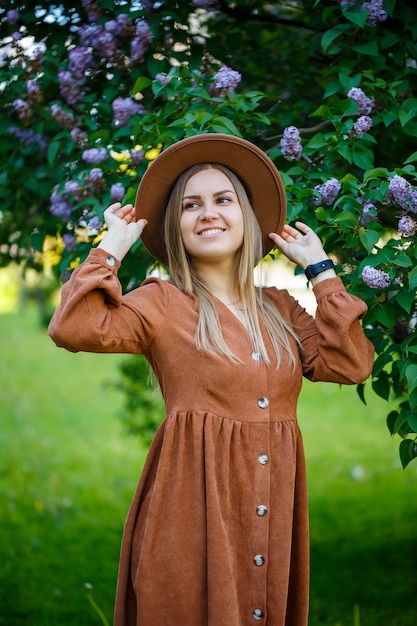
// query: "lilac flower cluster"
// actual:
[[377, 279], [375, 9], [402, 193], [70, 88], [28, 137], [61, 117], [23, 110], [60, 206], [369, 214], [141, 41], [117, 192], [208, 5], [365, 104], [124, 108], [137, 155], [92, 156], [70, 242], [328, 191], [79, 60], [226, 79], [362, 125], [34, 91], [92, 9], [78, 135], [407, 226], [291, 144], [95, 180], [13, 17]]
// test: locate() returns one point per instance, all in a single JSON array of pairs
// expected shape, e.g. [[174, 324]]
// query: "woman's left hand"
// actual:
[[301, 244]]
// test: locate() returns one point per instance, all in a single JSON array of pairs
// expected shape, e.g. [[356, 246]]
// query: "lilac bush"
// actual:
[[92, 91]]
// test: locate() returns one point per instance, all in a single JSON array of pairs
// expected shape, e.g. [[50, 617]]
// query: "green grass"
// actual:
[[67, 473]]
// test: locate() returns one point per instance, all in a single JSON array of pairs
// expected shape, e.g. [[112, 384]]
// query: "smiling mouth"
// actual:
[[210, 231]]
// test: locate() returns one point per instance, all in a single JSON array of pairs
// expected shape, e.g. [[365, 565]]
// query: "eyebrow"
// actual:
[[217, 193]]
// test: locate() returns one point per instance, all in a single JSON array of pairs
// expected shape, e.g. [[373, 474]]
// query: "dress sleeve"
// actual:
[[94, 316], [334, 346]]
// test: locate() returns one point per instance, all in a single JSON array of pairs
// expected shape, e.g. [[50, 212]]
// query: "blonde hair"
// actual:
[[209, 336]]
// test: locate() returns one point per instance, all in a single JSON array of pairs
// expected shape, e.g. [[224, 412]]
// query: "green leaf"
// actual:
[[330, 35], [411, 376], [411, 158], [412, 399], [220, 123], [385, 315], [380, 362], [141, 83], [405, 299], [402, 260], [408, 451], [412, 421], [412, 278], [379, 385], [363, 159], [370, 48], [360, 389], [376, 172], [53, 149], [358, 17], [368, 239], [391, 420]]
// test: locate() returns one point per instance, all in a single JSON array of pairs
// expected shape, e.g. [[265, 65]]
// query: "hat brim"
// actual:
[[251, 165]]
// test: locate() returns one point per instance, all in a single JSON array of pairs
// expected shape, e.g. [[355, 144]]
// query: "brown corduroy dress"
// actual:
[[217, 533]]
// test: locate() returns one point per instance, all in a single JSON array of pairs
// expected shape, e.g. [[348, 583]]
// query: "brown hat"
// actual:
[[251, 165]]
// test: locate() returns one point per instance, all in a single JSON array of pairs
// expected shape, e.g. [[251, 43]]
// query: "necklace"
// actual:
[[232, 303]]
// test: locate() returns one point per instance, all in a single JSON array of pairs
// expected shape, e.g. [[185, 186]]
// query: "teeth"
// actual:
[[211, 231]]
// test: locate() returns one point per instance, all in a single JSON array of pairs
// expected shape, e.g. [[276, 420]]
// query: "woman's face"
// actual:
[[211, 221]]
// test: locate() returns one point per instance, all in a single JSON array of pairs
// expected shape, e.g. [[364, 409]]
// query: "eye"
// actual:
[[224, 200], [189, 205]]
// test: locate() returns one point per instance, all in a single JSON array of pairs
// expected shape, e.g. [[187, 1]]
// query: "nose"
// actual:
[[209, 211]]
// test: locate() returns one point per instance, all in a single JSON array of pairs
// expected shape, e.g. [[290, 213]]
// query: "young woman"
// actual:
[[217, 533]]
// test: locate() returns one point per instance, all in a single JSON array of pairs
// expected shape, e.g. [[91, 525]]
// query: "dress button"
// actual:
[[261, 510], [110, 260], [263, 458], [263, 403], [256, 356], [259, 560], [258, 614]]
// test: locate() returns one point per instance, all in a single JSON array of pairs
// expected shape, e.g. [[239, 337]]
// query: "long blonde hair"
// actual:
[[208, 333]]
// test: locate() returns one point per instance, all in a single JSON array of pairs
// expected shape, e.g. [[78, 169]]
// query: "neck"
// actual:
[[219, 280]]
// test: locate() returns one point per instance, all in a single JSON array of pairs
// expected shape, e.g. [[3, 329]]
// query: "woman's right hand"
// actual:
[[122, 229]]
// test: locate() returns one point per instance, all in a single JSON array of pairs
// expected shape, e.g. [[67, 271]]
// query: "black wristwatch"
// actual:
[[311, 271]]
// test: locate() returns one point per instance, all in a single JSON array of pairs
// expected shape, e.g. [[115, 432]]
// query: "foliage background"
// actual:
[[126, 79]]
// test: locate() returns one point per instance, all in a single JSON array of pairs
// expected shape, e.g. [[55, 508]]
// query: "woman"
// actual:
[[217, 533]]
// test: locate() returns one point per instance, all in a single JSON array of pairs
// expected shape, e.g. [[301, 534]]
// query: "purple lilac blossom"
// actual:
[[60, 206], [375, 8], [124, 108], [92, 9], [88, 34], [226, 79], [78, 135], [164, 79], [13, 17], [401, 192], [291, 144], [61, 117], [328, 191], [407, 226], [80, 59], [95, 179], [69, 88], [117, 192], [22, 109], [33, 90], [377, 279], [137, 155], [70, 242], [376, 11], [206, 4], [95, 155], [137, 50], [362, 125], [94, 223], [365, 104], [369, 214], [120, 27], [28, 137]]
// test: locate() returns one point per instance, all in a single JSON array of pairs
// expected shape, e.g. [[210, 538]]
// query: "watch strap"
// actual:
[[317, 268]]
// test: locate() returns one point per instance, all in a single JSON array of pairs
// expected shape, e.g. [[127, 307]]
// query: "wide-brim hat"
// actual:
[[251, 165]]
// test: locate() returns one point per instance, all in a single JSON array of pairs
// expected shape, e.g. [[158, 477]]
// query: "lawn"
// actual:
[[68, 471]]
